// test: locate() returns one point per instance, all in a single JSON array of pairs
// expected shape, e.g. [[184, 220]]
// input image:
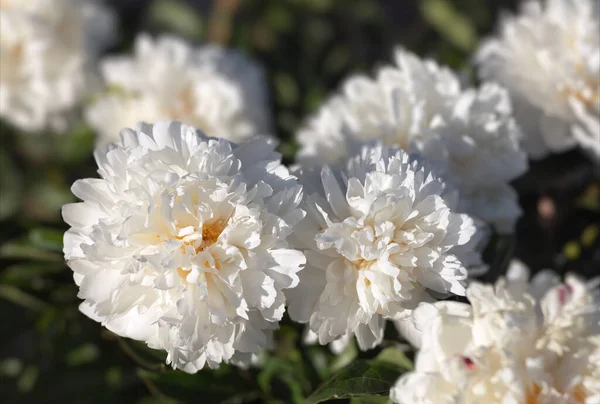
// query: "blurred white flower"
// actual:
[[216, 90], [337, 346], [47, 54], [374, 243], [469, 136], [548, 57], [182, 242], [517, 343]]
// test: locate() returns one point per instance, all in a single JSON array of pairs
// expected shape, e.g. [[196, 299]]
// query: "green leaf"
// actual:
[[10, 186], [30, 270], [450, 23], [288, 149], [590, 199], [572, 250], [30, 274], [154, 400], [50, 317], [150, 379], [344, 358], [242, 398], [336, 60], [370, 400], [177, 17], [18, 297], [396, 357], [137, 351], [314, 98], [316, 5], [76, 146], [279, 18], [286, 371], [114, 376], [153, 354], [360, 379], [10, 367], [47, 239], [35, 149], [213, 385], [28, 379], [367, 10], [46, 196], [286, 89], [590, 235], [82, 355], [20, 250], [319, 360]]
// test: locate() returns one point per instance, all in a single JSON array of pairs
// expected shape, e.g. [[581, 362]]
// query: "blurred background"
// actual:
[[49, 352]]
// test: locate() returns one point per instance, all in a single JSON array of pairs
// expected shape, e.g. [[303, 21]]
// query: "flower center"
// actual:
[[184, 109], [579, 393], [533, 395], [16, 51], [210, 233], [183, 273], [586, 96], [589, 95], [361, 264], [401, 139]]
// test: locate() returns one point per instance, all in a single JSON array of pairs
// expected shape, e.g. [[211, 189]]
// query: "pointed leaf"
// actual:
[[395, 356], [360, 379]]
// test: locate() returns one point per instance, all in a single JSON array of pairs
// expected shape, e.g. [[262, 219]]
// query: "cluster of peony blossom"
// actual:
[[196, 238]]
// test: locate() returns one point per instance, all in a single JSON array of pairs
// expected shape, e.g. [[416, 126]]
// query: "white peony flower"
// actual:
[[376, 237], [47, 51], [182, 242], [517, 343], [217, 90], [468, 135], [548, 57]]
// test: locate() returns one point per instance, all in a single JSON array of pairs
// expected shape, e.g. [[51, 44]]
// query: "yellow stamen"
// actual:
[[361, 264], [579, 393], [532, 395], [183, 273], [210, 233]]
